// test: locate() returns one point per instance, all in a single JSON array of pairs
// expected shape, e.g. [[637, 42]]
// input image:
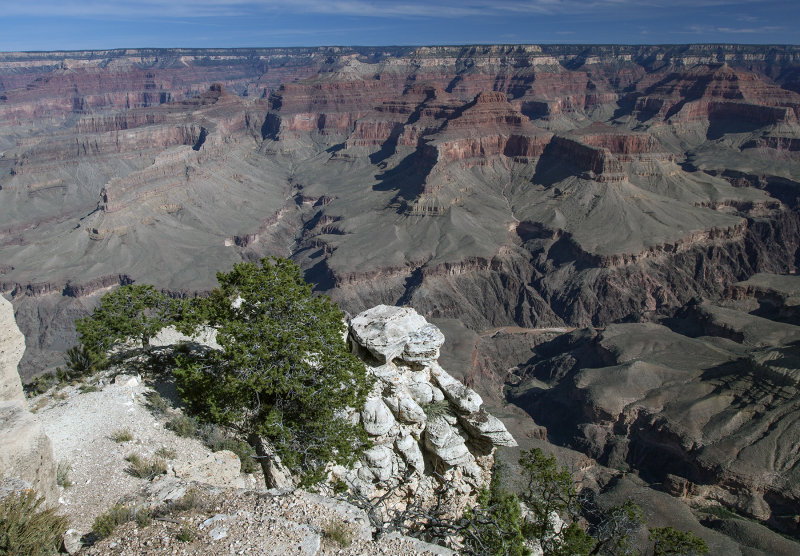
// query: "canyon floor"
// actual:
[[607, 235]]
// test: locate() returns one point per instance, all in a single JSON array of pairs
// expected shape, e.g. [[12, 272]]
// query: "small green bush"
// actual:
[[185, 534], [157, 403], [62, 474], [669, 541], [438, 409], [720, 512], [189, 501], [62, 376], [166, 453], [183, 425], [145, 468], [105, 523], [121, 435], [215, 438], [81, 362], [41, 384], [143, 517], [24, 530], [337, 531], [86, 388]]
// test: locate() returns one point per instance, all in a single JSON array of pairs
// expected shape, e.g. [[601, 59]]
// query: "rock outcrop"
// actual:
[[706, 401], [219, 469], [27, 453], [12, 346], [161, 167], [26, 457], [421, 420]]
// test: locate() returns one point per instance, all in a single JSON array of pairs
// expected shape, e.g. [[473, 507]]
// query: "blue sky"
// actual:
[[99, 24]]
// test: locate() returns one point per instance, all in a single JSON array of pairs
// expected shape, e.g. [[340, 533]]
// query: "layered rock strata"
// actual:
[[421, 420], [705, 402], [546, 175], [26, 458]]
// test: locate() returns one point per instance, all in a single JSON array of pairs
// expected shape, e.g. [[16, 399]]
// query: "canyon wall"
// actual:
[[26, 460], [519, 190]]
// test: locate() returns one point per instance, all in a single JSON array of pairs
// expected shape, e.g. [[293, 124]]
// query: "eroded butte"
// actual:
[[509, 193]]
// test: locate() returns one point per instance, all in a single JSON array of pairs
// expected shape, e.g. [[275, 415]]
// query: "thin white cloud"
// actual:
[[362, 8], [748, 30], [706, 29]]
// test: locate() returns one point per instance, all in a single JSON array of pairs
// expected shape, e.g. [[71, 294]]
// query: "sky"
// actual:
[[102, 24]]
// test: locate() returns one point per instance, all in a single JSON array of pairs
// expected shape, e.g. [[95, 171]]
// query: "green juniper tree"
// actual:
[[551, 496], [135, 312], [669, 541], [284, 374], [495, 524], [283, 377]]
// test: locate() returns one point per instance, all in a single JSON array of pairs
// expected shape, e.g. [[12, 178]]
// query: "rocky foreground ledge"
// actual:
[[26, 453], [427, 429], [424, 424]]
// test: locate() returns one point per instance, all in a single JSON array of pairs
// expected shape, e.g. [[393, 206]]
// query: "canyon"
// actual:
[[597, 230]]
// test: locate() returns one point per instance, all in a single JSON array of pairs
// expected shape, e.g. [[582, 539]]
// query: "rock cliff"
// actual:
[[12, 346], [426, 427], [704, 401], [27, 455]]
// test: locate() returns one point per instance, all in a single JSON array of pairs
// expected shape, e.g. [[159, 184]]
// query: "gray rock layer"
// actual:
[[26, 453], [12, 346], [411, 411]]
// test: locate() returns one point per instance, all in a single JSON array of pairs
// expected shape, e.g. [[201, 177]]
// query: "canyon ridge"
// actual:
[[607, 236]]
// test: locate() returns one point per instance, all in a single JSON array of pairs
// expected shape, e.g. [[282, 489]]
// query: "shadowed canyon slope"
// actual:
[[529, 186], [584, 216]]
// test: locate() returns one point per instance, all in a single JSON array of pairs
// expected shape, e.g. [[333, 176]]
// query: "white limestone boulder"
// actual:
[[400, 349], [376, 417], [404, 407], [421, 392], [220, 469], [389, 333], [423, 345], [464, 398], [443, 440], [409, 449], [486, 429], [380, 464]]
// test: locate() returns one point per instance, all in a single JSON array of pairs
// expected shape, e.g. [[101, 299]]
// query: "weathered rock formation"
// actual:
[[12, 346], [546, 176], [705, 402], [421, 420], [27, 455]]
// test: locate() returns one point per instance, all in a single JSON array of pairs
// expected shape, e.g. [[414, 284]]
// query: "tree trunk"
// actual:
[[275, 474]]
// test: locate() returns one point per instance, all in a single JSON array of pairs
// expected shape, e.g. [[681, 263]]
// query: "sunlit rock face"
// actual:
[[498, 185], [12, 346], [426, 427], [26, 460]]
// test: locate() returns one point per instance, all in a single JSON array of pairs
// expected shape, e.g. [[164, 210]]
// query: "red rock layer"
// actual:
[[596, 163], [718, 91]]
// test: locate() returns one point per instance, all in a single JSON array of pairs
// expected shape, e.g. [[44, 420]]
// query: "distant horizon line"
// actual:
[[401, 46]]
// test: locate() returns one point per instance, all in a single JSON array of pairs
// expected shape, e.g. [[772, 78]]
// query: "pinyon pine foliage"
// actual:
[[130, 312], [284, 375], [284, 372]]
